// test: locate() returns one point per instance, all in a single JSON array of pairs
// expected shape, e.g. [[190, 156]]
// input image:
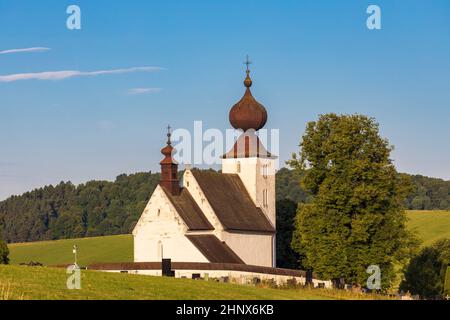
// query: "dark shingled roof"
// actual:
[[214, 250], [231, 202], [189, 211]]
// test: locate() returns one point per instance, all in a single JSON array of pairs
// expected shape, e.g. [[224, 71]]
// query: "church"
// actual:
[[213, 217]]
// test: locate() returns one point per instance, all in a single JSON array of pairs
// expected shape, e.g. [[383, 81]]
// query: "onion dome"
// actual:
[[248, 113]]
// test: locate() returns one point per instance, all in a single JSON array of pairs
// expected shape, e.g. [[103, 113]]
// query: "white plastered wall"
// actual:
[[160, 233], [254, 249]]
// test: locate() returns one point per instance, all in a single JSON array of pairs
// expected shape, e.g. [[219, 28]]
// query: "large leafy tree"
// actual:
[[356, 218]]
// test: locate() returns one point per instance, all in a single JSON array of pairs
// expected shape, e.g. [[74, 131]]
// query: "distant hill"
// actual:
[[100, 208]]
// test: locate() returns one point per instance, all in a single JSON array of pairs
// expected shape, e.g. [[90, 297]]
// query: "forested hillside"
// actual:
[[99, 208], [427, 193], [96, 208]]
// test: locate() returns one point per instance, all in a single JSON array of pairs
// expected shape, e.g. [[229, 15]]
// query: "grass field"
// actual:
[[90, 250], [48, 283], [37, 283], [430, 226]]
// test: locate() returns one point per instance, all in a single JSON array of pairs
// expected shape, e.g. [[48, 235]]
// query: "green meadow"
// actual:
[[42, 283], [430, 226], [18, 282], [90, 250]]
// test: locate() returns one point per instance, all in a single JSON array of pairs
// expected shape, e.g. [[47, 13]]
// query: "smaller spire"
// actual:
[[169, 167]]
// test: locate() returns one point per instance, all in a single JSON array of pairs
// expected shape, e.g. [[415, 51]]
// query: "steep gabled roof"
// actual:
[[231, 202], [214, 250], [189, 211]]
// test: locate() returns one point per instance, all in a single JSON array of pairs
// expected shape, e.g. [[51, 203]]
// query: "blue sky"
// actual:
[[309, 58]]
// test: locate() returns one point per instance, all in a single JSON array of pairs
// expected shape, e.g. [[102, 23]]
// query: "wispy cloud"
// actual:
[[24, 50], [66, 74], [144, 90]]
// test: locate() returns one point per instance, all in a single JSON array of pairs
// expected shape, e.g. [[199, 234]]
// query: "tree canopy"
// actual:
[[356, 218]]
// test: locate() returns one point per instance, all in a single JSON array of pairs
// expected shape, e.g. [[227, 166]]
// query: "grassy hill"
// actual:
[[90, 250], [35, 283], [429, 225]]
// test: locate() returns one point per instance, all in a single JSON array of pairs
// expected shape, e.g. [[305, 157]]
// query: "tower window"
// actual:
[[238, 167], [265, 198]]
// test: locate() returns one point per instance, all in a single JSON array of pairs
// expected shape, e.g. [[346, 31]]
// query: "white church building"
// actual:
[[217, 225], [227, 217]]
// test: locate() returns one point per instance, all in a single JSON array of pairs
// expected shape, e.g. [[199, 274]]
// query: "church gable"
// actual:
[[160, 215]]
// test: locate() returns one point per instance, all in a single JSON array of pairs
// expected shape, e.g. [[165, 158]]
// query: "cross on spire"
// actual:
[[248, 63], [169, 135]]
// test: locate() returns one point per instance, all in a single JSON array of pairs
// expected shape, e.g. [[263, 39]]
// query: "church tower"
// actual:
[[249, 158]]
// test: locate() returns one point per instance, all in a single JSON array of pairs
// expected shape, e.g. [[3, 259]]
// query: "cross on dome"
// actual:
[[169, 135], [248, 63]]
